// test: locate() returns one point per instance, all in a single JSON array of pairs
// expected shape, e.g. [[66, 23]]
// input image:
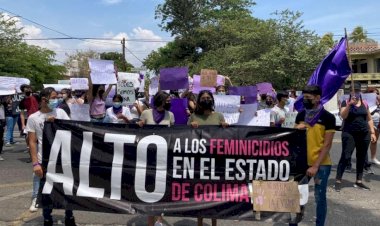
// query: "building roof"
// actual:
[[364, 48]]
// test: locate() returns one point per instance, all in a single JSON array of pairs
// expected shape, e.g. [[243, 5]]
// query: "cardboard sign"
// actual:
[[102, 71], [264, 87], [262, 118], [153, 86], [79, 83], [133, 77], [246, 117], [276, 196], [209, 78], [126, 89], [197, 84], [9, 84], [229, 106]]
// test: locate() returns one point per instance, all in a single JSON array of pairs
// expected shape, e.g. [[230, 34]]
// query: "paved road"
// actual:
[[349, 207]]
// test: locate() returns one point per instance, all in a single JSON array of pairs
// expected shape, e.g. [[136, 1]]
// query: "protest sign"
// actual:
[[79, 83], [67, 82], [127, 91], [57, 87], [229, 106], [2, 112], [332, 104], [80, 112], [133, 77], [247, 115], [249, 93], [262, 118], [197, 84], [174, 78], [290, 120], [264, 87], [208, 78], [206, 172], [102, 71], [5, 91], [178, 108], [370, 98], [153, 86], [9, 84], [276, 196], [110, 95]]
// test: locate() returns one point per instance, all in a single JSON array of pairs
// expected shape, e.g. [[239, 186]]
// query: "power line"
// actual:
[[105, 39]]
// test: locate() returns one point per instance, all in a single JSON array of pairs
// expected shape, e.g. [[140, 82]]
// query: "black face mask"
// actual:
[[206, 104], [27, 93], [167, 106], [269, 103], [308, 104]]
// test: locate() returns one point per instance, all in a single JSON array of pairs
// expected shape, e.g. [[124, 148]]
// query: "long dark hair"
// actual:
[[199, 110], [160, 99]]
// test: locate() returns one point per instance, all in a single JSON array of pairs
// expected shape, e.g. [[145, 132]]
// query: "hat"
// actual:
[[357, 86]]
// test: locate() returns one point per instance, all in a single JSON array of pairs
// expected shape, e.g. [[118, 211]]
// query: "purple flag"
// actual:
[[174, 78], [330, 74], [178, 108], [264, 87], [249, 93]]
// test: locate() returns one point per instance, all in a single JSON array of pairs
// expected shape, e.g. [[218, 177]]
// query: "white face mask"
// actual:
[[64, 96]]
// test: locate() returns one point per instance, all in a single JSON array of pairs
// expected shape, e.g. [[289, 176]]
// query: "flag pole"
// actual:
[[349, 60]]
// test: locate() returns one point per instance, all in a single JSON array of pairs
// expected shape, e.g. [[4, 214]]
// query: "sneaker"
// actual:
[[375, 161], [1, 158], [8, 144], [337, 186], [348, 169], [48, 222], [33, 207], [368, 170], [15, 142], [361, 186], [70, 221]]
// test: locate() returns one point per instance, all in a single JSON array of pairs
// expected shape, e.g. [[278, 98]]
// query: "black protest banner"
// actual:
[[177, 171]]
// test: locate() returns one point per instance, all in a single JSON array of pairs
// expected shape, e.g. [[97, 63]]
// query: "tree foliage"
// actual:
[[359, 34], [18, 59], [226, 37], [120, 62], [80, 60]]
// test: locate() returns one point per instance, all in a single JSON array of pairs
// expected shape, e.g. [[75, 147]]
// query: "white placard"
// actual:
[[126, 89], [106, 66], [290, 120], [153, 86], [4, 91], [79, 83], [134, 77], [246, 117], [262, 118], [67, 82], [80, 112], [332, 104], [370, 98], [11, 83], [103, 78], [229, 106], [57, 87]]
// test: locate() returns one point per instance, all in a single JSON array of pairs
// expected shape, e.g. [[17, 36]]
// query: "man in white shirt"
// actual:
[[48, 112], [279, 111]]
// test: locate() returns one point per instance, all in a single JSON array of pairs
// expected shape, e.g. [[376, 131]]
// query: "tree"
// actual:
[[18, 59], [80, 59], [359, 35], [327, 40], [120, 62]]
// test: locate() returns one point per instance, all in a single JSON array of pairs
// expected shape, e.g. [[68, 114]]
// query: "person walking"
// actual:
[[357, 132], [320, 129]]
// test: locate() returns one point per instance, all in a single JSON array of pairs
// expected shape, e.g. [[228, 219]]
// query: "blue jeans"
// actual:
[[36, 186], [11, 122], [320, 181]]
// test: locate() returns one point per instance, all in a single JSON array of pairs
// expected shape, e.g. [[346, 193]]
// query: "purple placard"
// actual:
[[249, 93], [197, 84], [178, 108], [174, 78], [264, 87]]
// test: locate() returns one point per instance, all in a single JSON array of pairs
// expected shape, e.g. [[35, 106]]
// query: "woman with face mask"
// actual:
[[118, 113], [97, 101], [357, 133], [205, 115], [159, 114]]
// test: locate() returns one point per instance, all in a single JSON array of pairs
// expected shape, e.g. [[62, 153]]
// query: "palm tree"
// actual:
[[359, 35]]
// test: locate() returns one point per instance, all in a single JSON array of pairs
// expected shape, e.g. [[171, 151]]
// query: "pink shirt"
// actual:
[[98, 107]]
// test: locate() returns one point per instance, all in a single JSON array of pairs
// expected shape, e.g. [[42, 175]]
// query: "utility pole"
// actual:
[[124, 60]]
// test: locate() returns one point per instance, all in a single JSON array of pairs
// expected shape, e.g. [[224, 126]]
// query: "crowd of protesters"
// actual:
[[360, 128]]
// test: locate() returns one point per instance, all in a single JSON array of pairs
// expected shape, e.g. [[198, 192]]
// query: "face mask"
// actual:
[[269, 103], [287, 102], [64, 96], [206, 104], [27, 93], [221, 93], [167, 106], [357, 96], [308, 103], [116, 104], [53, 104]]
